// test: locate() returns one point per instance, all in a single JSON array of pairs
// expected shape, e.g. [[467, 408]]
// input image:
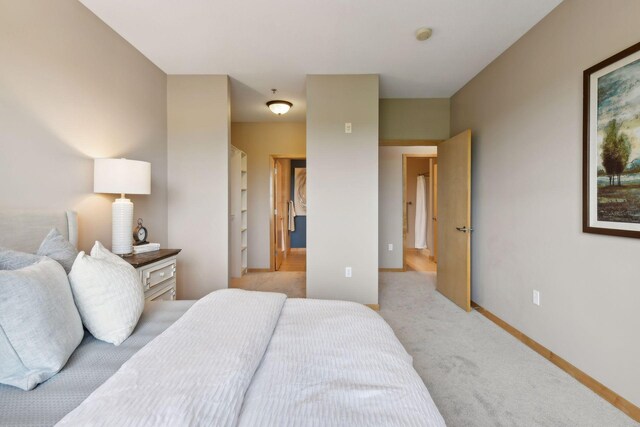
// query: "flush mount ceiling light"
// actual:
[[423, 33], [278, 106]]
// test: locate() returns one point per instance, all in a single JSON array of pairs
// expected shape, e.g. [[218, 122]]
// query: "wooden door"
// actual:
[[285, 197], [434, 252], [277, 213], [454, 219]]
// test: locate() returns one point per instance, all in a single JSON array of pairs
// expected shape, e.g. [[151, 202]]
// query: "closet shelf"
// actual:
[[238, 242]]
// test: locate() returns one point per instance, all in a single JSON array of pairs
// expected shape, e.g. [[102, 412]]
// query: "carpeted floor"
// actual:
[[478, 374], [293, 284]]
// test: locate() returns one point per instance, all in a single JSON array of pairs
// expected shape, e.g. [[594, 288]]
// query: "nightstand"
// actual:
[[157, 271]]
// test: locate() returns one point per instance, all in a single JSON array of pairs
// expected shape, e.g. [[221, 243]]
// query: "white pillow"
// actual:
[[56, 247], [39, 324], [108, 294]]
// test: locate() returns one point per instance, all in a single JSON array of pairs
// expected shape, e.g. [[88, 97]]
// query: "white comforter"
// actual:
[[257, 359]]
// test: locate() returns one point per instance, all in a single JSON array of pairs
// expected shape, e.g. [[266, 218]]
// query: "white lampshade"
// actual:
[[121, 176]]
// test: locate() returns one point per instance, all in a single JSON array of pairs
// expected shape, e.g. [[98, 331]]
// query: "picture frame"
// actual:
[[611, 145], [300, 191]]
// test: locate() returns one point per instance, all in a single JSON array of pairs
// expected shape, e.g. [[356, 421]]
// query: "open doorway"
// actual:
[[288, 231], [420, 209], [446, 214], [285, 232]]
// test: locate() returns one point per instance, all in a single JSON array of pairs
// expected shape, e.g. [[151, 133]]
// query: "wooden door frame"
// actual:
[[405, 224], [409, 142], [272, 202]]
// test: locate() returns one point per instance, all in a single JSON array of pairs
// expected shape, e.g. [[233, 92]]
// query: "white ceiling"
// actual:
[[275, 44]]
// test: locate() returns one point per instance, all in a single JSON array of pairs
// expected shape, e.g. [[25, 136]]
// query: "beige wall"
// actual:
[[198, 173], [390, 206], [342, 187], [525, 110], [419, 118], [259, 141], [71, 90]]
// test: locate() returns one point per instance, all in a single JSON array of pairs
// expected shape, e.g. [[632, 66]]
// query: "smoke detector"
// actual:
[[423, 33]]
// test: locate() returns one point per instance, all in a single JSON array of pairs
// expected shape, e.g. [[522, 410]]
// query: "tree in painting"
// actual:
[[616, 150]]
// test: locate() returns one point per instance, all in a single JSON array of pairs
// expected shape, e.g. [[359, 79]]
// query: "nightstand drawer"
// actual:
[[164, 293], [158, 273]]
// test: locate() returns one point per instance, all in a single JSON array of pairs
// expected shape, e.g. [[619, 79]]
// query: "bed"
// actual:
[[232, 358]]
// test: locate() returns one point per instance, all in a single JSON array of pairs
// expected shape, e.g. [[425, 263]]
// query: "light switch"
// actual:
[[536, 297], [347, 128]]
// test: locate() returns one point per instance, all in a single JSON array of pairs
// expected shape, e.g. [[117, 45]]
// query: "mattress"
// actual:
[[92, 363]]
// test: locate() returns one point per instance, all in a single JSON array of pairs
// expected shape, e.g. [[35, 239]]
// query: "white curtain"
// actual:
[[422, 212]]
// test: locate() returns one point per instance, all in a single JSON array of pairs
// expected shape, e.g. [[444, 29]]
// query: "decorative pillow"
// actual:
[[108, 294], [14, 260], [56, 247], [39, 323]]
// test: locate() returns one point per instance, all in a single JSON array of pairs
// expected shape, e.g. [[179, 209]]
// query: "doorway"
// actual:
[[420, 239], [447, 211], [288, 214], [287, 246]]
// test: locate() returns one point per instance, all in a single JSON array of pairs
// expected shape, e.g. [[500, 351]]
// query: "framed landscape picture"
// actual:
[[611, 132]]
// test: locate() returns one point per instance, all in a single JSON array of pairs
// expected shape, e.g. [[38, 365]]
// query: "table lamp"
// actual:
[[121, 176]]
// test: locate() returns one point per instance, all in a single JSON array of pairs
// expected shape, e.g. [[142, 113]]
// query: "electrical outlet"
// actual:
[[347, 272], [347, 128], [390, 246], [536, 297]]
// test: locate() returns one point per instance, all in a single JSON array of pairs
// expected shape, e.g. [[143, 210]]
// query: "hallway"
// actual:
[[290, 279], [296, 260], [291, 283], [419, 260]]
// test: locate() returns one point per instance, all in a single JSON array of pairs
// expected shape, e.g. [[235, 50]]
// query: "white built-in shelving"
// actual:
[[239, 212]]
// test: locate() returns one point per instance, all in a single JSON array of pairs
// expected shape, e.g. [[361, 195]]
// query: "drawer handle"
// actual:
[[162, 274]]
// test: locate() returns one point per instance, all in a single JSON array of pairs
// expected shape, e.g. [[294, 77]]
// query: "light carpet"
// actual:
[[293, 284], [478, 374]]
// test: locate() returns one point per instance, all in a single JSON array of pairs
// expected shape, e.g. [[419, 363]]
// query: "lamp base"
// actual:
[[121, 226]]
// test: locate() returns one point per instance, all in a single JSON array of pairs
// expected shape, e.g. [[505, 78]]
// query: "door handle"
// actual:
[[464, 229]]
